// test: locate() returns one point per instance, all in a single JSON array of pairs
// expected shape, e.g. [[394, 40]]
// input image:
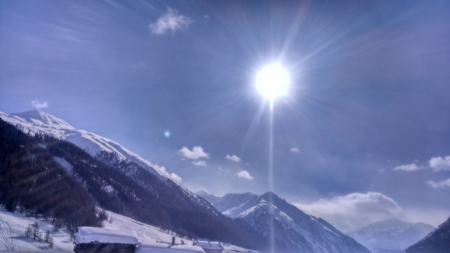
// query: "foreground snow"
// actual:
[[13, 225], [12, 229]]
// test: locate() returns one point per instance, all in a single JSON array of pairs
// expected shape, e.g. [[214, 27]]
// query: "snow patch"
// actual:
[[65, 164]]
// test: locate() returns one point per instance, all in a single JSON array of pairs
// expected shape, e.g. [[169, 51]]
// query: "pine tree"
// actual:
[[50, 242], [47, 236], [36, 231], [29, 230]]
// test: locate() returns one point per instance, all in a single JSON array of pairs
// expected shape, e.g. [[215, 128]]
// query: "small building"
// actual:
[[168, 248], [390, 251], [101, 240], [209, 247]]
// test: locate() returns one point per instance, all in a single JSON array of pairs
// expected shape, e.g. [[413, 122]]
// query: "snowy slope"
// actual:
[[228, 201], [437, 241], [391, 234], [12, 229], [13, 225], [33, 122]]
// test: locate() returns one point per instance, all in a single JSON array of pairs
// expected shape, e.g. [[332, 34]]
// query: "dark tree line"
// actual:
[[31, 180]]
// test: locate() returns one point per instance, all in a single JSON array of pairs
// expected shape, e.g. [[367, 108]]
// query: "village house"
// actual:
[[100, 240], [168, 248], [209, 247]]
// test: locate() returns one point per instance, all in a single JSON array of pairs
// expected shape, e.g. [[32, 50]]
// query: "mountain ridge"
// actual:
[[437, 241], [391, 233], [293, 230], [36, 121]]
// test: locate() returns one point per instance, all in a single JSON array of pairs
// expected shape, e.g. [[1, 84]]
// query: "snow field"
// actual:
[[12, 230]]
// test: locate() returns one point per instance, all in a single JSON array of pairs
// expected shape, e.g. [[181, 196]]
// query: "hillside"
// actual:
[[437, 241], [111, 183], [32, 122]]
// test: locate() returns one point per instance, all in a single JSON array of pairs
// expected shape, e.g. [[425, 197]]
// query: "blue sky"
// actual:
[[365, 123]]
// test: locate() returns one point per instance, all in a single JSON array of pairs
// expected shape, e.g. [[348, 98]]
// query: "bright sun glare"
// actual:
[[272, 81]]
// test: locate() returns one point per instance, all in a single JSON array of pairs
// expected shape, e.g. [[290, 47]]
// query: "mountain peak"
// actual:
[[270, 194], [32, 122], [42, 118]]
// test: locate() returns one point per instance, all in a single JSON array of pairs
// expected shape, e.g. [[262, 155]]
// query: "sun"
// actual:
[[273, 81]]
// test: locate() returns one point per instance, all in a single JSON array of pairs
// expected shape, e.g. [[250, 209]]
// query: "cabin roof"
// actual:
[[209, 245], [102, 235], [161, 247]]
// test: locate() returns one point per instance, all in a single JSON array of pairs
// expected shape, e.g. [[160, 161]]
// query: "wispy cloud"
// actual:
[[199, 163], [194, 154], [436, 164], [171, 21], [39, 104], [440, 163], [295, 150], [437, 185], [408, 167], [244, 174], [233, 158], [354, 210]]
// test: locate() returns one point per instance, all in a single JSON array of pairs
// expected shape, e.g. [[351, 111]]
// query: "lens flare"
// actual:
[[273, 81]]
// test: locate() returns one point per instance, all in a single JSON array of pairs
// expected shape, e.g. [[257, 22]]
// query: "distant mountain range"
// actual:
[[293, 230], [437, 241], [393, 234]]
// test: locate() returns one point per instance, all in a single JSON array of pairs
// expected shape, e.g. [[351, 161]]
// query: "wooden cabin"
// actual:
[[100, 240]]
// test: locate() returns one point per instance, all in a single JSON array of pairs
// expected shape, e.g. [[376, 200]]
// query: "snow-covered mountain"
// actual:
[[437, 241], [33, 122], [293, 230], [392, 234], [79, 181]]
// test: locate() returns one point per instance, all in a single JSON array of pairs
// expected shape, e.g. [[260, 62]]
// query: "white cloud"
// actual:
[[171, 21], [39, 104], [443, 184], [177, 179], [354, 210], [295, 150], [440, 163], [194, 154], [244, 174], [199, 163], [233, 158], [408, 167]]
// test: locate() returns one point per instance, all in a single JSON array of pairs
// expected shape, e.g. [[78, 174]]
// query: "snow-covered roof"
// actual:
[[209, 245], [166, 248], [102, 235]]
